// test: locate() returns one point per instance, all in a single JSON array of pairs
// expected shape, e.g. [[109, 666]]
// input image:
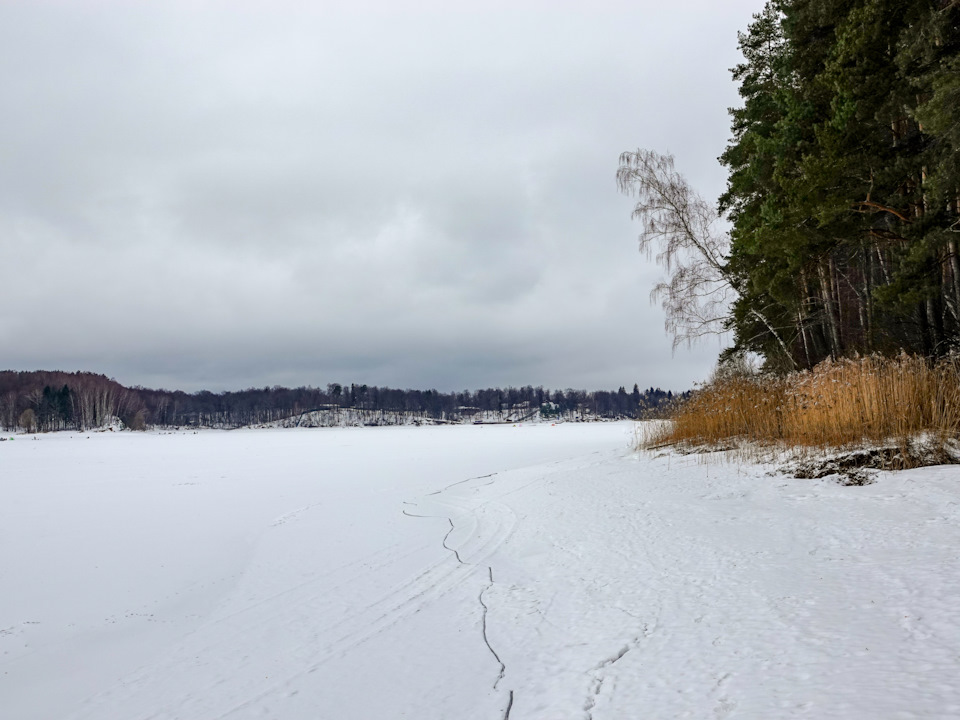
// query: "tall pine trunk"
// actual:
[[830, 318]]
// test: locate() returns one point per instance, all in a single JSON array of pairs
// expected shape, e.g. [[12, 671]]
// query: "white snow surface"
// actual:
[[530, 572]]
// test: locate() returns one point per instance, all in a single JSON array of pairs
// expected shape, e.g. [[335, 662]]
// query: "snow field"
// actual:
[[534, 572]]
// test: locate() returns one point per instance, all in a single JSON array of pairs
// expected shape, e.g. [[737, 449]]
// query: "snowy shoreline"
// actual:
[[554, 572]]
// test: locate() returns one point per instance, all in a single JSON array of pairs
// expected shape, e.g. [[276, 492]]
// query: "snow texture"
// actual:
[[522, 572]]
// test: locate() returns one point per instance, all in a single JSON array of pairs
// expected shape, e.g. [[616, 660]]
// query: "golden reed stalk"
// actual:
[[870, 400]]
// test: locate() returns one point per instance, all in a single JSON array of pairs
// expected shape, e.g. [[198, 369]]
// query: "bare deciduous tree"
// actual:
[[682, 227], [28, 420]]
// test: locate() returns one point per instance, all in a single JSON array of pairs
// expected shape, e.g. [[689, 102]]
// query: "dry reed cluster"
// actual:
[[871, 400]]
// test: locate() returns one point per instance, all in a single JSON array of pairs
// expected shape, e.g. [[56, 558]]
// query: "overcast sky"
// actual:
[[225, 195]]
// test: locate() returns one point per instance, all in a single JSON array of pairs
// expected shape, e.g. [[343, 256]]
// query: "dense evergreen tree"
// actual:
[[843, 185]]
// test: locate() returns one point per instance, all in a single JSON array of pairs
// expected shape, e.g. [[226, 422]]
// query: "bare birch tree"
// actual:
[[682, 228]]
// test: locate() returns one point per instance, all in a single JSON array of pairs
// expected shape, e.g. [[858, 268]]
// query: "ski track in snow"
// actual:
[[565, 583], [486, 531], [463, 506]]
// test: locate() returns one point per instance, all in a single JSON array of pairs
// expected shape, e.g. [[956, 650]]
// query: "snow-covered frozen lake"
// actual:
[[537, 572]]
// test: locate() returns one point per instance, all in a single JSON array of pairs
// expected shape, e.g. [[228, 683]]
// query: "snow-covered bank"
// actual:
[[458, 572]]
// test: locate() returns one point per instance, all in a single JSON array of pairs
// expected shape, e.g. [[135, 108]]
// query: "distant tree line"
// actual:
[[44, 401]]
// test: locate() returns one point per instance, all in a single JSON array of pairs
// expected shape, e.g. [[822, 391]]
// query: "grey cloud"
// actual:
[[223, 195]]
